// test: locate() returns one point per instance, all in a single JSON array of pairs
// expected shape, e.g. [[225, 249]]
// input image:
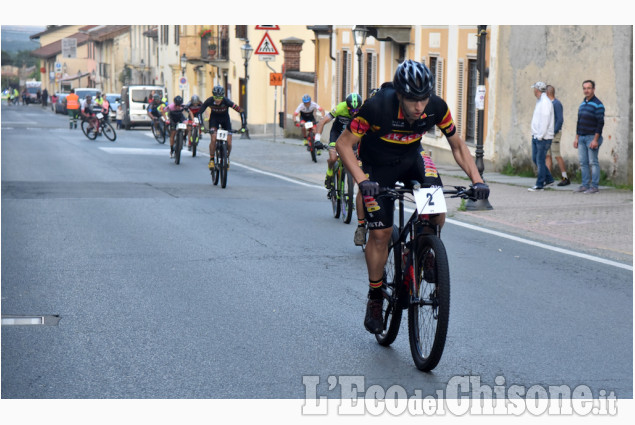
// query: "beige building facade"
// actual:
[[323, 61]]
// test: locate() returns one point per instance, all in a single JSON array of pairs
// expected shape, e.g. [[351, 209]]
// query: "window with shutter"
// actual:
[[470, 102], [459, 100]]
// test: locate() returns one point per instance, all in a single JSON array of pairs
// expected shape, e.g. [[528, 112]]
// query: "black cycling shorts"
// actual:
[[380, 212], [222, 121]]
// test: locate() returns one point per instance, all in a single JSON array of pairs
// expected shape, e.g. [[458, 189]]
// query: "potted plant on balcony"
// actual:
[[211, 50]]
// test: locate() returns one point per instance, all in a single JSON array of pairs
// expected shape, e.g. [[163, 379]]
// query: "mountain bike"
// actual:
[[179, 137], [417, 275], [342, 192], [195, 135], [102, 126], [310, 138], [160, 129], [221, 158]]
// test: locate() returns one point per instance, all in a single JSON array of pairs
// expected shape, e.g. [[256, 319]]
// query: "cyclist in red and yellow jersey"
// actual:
[[389, 128]]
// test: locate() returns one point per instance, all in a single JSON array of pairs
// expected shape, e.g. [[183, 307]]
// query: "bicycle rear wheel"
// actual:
[[347, 196], [428, 316], [88, 130], [108, 131], [391, 309], [178, 145], [223, 166]]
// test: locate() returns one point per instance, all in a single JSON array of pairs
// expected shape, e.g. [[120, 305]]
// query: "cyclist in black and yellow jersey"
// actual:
[[389, 128]]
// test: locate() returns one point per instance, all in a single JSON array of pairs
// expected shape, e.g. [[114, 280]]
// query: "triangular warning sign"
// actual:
[[266, 46]]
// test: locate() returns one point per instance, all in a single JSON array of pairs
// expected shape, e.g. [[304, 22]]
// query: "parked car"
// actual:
[[113, 99], [83, 92], [60, 106]]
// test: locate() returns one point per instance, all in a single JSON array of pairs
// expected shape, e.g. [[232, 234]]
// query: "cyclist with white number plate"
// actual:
[[219, 116], [174, 112], [195, 112], [389, 128], [306, 112]]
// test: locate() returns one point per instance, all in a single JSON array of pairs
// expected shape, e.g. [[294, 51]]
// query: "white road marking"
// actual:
[[154, 151], [133, 151]]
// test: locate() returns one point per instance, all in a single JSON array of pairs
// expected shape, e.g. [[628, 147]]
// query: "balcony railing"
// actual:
[[214, 48]]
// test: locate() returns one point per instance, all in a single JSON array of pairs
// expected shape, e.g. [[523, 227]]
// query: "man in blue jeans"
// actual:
[[542, 125], [588, 138]]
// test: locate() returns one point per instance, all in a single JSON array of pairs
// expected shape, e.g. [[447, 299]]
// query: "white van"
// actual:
[[135, 100]]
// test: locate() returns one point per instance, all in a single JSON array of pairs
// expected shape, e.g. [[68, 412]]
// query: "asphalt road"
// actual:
[[169, 287]]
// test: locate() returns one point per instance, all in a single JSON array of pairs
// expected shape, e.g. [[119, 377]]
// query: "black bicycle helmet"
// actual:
[[218, 91], [195, 100], [178, 100], [353, 101], [157, 98], [413, 80]]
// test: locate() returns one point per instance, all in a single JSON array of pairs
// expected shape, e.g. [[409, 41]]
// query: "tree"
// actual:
[[6, 58]]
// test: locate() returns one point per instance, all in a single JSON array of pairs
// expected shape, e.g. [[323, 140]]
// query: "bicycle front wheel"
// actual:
[[195, 139], [223, 166], [336, 200], [178, 145], [108, 131], [429, 311], [391, 310], [347, 195], [158, 132], [312, 148]]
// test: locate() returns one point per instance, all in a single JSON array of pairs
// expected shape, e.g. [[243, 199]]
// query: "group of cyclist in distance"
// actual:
[[379, 143], [219, 116]]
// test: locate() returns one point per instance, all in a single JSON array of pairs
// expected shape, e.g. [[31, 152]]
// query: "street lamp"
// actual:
[[183, 66], [481, 204], [246, 50], [360, 32]]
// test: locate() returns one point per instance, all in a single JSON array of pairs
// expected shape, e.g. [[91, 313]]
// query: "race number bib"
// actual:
[[99, 115], [430, 200], [308, 124], [221, 134], [181, 126]]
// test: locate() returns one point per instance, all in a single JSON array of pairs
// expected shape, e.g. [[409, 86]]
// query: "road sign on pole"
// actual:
[[266, 46], [267, 27], [275, 79]]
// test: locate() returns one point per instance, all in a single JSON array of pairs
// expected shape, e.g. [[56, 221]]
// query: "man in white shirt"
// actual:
[[542, 125]]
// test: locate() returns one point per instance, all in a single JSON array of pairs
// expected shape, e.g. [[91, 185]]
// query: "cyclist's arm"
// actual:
[[464, 158], [344, 147]]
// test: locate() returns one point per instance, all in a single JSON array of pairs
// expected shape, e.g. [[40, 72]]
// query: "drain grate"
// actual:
[[15, 320]]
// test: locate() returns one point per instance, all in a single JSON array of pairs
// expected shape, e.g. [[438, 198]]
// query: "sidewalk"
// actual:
[[599, 224]]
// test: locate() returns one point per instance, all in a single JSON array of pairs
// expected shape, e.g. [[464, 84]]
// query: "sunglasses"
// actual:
[[218, 97]]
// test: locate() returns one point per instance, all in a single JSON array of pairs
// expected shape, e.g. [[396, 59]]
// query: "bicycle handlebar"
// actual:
[[456, 191]]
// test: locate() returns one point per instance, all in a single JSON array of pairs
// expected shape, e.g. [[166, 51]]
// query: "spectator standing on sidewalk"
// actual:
[[45, 97], [558, 116], [542, 124], [588, 137]]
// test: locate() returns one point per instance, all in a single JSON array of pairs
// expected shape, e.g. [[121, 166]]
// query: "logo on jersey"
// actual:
[[359, 126], [371, 204], [401, 138]]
